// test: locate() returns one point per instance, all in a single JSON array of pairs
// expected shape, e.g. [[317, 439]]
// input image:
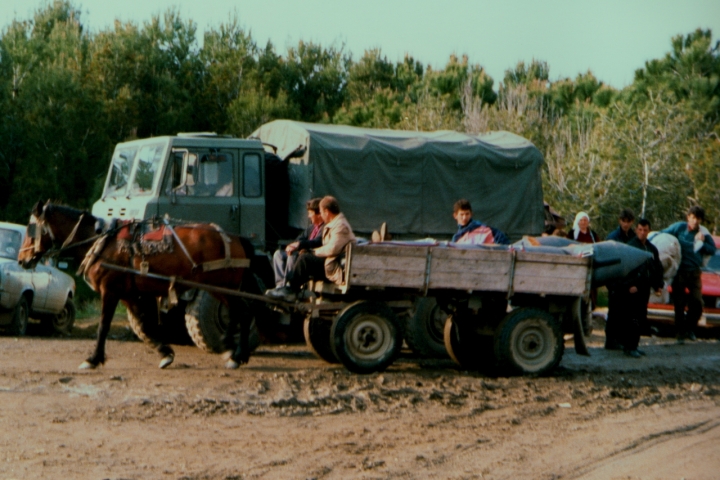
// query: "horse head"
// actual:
[[49, 230]]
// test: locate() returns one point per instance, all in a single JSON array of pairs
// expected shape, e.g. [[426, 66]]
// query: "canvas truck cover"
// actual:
[[412, 179]]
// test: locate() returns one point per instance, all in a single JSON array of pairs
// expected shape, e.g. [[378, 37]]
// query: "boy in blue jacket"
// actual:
[[695, 242]]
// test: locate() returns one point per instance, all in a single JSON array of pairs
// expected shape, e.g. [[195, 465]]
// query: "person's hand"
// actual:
[[292, 247], [700, 237], [633, 289]]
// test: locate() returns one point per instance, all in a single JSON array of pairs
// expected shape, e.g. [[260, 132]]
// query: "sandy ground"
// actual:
[[290, 415]]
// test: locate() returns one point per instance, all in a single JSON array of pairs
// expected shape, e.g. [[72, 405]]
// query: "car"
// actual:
[[660, 308], [43, 293]]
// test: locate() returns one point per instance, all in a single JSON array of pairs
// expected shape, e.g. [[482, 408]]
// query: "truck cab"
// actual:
[[190, 177]]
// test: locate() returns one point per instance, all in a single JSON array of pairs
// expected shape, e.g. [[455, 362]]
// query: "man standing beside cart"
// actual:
[[633, 292], [687, 286]]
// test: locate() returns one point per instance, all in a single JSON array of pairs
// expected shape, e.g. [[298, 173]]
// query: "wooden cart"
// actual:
[[508, 309]]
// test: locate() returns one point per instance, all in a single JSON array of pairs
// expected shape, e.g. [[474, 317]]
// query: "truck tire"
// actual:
[[366, 337], [469, 349], [207, 319], [528, 341], [18, 324], [424, 329], [317, 337], [62, 323]]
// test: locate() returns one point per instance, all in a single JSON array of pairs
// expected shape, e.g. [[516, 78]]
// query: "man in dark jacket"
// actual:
[[311, 237], [623, 233], [462, 213], [633, 292], [695, 241]]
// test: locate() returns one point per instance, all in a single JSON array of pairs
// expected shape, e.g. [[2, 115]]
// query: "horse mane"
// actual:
[[70, 212]]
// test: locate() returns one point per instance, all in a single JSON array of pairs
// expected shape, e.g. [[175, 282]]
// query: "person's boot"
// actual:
[[635, 353]]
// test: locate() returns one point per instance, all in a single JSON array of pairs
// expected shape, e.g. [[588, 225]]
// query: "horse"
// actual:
[[122, 269]]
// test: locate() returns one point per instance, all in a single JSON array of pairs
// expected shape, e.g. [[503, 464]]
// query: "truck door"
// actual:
[[201, 185], [252, 198]]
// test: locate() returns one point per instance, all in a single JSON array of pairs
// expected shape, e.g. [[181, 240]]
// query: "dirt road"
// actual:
[[290, 415]]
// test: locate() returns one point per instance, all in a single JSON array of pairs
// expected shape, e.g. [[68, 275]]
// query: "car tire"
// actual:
[[18, 324], [62, 323]]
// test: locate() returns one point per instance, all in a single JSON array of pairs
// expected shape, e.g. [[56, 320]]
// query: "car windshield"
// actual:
[[10, 241], [714, 264]]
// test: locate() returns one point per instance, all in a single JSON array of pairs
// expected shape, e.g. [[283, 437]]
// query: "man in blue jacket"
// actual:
[[462, 213], [695, 242]]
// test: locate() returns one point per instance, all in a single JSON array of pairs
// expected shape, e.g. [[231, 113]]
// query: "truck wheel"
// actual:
[[529, 341], [18, 324], [317, 337], [62, 323], [207, 319], [468, 348], [424, 329], [366, 337]]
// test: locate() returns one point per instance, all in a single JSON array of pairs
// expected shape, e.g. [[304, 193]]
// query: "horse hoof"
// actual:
[[87, 366], [232, 364], [166, 360]]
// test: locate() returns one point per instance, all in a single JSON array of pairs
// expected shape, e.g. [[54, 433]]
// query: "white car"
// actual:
[[44, 293]]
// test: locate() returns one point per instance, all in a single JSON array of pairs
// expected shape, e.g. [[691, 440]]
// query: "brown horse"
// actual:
[[200, 253]]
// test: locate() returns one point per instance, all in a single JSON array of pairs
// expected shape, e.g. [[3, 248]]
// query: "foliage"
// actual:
[[68, 96]]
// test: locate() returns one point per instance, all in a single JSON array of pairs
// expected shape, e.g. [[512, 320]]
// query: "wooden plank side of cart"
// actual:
[[471, 269]]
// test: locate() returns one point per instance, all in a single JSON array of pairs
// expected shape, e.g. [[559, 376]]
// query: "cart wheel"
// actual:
[[424, 329], [366, 337], [468, 348], [317, 337], [529, 341]]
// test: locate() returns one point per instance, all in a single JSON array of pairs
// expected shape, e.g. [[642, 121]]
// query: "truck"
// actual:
[[257, 188]]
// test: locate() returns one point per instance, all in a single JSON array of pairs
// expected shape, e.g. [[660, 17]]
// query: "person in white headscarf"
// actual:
[[581, 231]]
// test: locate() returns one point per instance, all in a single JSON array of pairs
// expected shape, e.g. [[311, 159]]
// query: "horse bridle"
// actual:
[[38, 226]]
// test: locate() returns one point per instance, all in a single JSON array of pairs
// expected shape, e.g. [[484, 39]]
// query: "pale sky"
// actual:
[[612, 38]]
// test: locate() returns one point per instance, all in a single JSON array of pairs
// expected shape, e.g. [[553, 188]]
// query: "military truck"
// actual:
[[257, 188]]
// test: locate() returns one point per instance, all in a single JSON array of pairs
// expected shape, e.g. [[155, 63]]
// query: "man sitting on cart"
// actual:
[[472, 231], [324, 263], [311, 237]]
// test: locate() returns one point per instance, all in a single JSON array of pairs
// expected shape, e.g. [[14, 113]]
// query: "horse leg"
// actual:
[[239, 323], [109, 304], [144, 319]]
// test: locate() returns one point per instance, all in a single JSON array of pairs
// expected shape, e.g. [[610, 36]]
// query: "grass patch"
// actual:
[[92, 309]]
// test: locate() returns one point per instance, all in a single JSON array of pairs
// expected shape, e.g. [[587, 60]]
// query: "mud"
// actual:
[[290, 415]]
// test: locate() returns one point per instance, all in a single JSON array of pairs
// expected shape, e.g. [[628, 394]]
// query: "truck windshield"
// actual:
[[10, 241], [149, 163], [120, 171]]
